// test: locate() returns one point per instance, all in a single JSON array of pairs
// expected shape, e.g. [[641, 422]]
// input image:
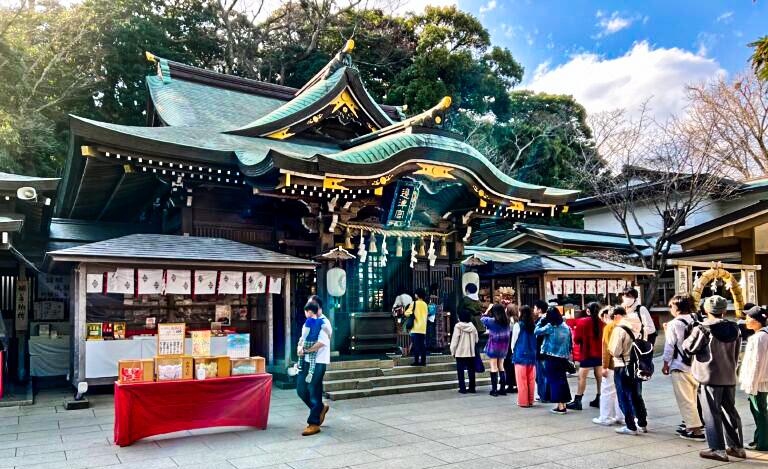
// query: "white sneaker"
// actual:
[[607, 422], [643, 429], [625, 431]]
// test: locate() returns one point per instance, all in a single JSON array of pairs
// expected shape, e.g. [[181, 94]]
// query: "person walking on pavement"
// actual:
[[587, 349], [418, 309], [677, 365], [631, 304], [754, 375], [715, 345], [610, 412], [558, 350], [463, 342], [539, 313], [497, 324], [628, 388], [524, 356], [311, 393]]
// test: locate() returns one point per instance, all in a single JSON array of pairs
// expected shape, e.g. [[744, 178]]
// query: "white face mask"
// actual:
[[627, 302]]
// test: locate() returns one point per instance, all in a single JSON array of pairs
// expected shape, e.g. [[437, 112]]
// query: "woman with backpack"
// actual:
[[496, 348], [587, 349], [754, 376], [677, 365], [524, 356], [558, 351], [629, 387]]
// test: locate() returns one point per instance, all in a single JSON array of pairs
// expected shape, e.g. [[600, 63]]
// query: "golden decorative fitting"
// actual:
[[435, 171], [430, 114], [515, 205], [422, 251], [348, 239], [444, 247], [483, 203], [349, 46], [565, 209], [438, 120], [281, 134], [150, 56], [127, 168], [86, 150], [315, 119], [333, 183], [382, 181], [378, 191], [344, 99], [399, 247]]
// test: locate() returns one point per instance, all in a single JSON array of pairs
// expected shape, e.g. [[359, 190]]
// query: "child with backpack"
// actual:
[[627, 335], [463, 342], [715, 345], [677, 365]]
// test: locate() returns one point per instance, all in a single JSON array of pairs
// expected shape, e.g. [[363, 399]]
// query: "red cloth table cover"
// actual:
[[146, 409]]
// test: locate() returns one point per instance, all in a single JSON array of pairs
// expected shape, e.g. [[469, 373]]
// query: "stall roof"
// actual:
[[510, 261], [171, 249]]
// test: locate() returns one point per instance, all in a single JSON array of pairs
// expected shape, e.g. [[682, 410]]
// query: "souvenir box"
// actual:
[[119, 328], [212, 367], [174, 368], [247, 366], [93, 331], [135, 371]]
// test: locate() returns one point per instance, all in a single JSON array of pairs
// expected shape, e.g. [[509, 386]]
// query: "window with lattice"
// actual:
[[371, 284]]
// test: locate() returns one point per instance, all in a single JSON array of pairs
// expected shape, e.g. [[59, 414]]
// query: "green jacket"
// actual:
[[476, 308]]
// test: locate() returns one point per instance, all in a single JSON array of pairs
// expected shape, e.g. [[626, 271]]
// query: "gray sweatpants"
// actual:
[[719, 407]]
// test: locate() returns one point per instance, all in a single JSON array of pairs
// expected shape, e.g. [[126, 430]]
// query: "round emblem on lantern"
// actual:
[[336, 279]]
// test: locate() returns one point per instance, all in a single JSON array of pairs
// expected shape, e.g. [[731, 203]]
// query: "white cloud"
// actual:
[[491, 5], [613, 23], [704, 43], [625, 82], [725, 17]]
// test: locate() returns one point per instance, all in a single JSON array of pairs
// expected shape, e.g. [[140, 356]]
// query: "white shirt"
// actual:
[[754, 367], [324, 354], [675, 335], [645, 318]]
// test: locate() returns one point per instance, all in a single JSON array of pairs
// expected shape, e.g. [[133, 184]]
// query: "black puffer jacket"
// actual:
[[715, 346]]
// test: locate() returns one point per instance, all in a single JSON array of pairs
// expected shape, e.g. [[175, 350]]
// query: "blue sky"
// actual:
[[617, 54]]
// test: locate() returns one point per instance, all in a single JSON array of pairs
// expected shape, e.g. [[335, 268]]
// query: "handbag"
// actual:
[[410, 321], [570, 367], [479, 365]]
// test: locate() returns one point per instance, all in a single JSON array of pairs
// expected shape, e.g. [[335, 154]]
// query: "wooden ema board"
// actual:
[[201, 343], [126, 371], [170, 339], [222, 366], [185, 362]]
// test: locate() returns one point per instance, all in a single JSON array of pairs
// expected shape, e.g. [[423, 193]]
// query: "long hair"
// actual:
[[553, 316], [499, 314], [594, 312], [512, 312], [527, 321]]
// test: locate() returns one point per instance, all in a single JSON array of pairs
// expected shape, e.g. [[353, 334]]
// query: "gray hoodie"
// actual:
[[464, 340], [715, 347]]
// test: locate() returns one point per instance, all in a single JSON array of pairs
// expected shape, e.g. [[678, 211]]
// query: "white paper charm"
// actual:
[[205, 282], [231, 283], [580, 286], [255, 282], [178, 282], [275, 285], [569, 287], [557, 287], [602, 287], [94, 283], [120, 281], [151, 282], [591, 287]]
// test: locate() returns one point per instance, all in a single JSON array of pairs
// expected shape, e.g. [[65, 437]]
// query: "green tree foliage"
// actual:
[[760, 57]]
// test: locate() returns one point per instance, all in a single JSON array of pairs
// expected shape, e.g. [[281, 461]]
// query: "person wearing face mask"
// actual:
[[630, 303]]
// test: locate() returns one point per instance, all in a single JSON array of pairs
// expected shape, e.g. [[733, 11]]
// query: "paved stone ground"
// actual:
[[411, 431]]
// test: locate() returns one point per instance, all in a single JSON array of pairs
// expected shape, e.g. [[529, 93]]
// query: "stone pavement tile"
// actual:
[[158, 452], [486, 450], [435, 433], [527, 444], [418, 461], [9, 437], [9, 420], [606, 460], [314, 441], [405, 438], [354, 446], [658, 450], [212, 458], [586, 435], [108, 460], [472, 440], [547, 465], [687, 461], [29, 427], [271, 459], [32, 458], [86, 422], [67, 415], [336, 461], [348, 436], [146, 464], [412, 449], [7, 453], [454, 455], [29, 442], [529, 458], [599, 445]]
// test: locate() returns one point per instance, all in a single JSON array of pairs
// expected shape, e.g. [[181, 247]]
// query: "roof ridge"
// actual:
[[577, 230]]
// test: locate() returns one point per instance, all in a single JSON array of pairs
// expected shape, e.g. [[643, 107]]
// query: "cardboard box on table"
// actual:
[[186, 362], [222, 366], [147, 373], [257, 364]]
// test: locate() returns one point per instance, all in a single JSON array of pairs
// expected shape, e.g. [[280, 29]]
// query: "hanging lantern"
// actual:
[[348, 239], [421, 247], [444, 247], [399, 247], [414, 260], [336, 281], [362, 254]]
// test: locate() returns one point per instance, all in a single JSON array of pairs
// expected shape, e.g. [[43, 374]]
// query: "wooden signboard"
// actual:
[[201, 343], [170, 339]]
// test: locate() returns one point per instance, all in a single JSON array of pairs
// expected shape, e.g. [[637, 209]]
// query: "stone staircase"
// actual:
[[373, 377]]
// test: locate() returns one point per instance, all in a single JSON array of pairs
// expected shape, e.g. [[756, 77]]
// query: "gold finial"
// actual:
[[349, 45], [150, 56], [444, 103]]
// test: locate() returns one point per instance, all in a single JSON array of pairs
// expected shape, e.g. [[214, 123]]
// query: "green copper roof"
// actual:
[[186, 104], [305, 99]]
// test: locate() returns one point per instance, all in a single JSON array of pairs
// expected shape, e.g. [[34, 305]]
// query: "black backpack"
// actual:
[[640, 363], [685, 357]]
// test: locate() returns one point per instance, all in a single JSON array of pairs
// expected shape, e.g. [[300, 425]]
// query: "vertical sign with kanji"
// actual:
[[22, 304], [403, 203]]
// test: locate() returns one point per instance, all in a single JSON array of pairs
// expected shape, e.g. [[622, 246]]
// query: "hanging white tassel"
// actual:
[[384, 250], [362, 254], [414, 260], [431, 252], [399, 247], [372, 247]]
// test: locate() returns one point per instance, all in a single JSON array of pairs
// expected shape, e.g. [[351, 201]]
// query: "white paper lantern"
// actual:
[[336, 280]]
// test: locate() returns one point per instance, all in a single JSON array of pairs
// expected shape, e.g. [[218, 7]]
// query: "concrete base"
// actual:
[[72, 404]]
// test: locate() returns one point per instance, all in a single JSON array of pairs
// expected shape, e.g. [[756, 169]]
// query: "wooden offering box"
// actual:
[[248, 366], [221, 364], [135, 371], [174, 368]]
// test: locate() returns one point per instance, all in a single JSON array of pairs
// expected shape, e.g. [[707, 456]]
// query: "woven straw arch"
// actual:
[[719, 272]]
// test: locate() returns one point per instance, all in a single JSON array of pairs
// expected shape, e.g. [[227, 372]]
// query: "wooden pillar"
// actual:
[[270, 331], [287, 315], [78, 320]]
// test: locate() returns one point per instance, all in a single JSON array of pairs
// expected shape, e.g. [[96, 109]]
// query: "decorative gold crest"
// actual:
[[344, 102], [281, 134], [315, 119], [333, 183], [434, 171], [382, 181], [515, 205]]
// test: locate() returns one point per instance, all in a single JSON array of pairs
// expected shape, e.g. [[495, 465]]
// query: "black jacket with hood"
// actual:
[[715, 347]]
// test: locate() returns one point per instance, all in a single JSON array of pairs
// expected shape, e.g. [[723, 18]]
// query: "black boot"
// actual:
[[596, 402], [502, 383], [575, 404], [460, 375], [494, 379]]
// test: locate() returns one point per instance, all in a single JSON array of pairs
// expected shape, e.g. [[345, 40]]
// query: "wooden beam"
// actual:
[[79, 188], [682, 262], [287, 316], [112, 195], [270, 331]]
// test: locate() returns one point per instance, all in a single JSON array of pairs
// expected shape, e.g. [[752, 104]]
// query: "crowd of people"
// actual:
[[533, 350]]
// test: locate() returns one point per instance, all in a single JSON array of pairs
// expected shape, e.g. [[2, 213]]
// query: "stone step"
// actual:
[[357, 364], [401, 389], [404, 361], [358, 373], [389, 381], [364, 373]]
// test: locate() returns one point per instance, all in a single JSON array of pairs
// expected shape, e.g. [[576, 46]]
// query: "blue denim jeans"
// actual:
[[629, 391], [311, 393], [541, 379]]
